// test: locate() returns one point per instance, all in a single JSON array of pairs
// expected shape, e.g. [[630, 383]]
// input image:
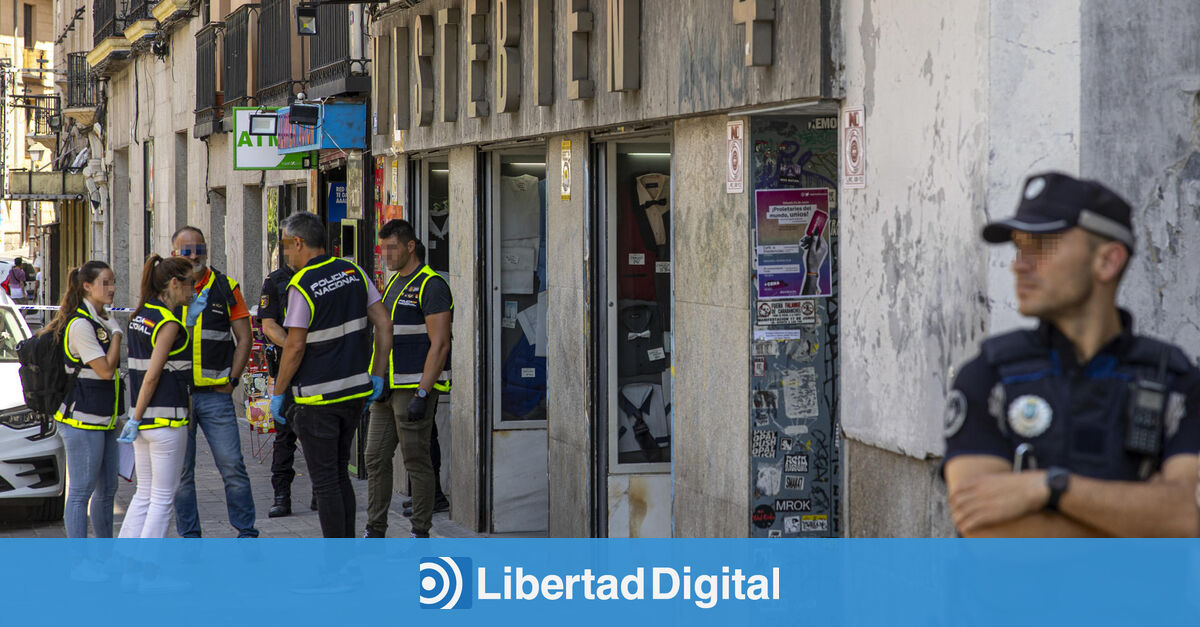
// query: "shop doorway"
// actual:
[[635, 288], [515, 223]]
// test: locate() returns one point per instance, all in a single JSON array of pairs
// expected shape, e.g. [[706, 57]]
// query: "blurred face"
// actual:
[[191, 245], [180, 291], [290, 245], [101, 290], [1054, 271], [395, 254]]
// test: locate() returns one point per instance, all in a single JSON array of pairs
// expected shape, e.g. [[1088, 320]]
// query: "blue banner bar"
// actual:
[[600, 582]]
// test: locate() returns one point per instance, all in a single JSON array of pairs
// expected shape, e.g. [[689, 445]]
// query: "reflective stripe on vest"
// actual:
[[410, 337], [213, 347], [336, 362], [94, 402], [170, 404]]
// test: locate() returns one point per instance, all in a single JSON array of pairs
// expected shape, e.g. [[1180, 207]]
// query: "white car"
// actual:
[[32, 460]]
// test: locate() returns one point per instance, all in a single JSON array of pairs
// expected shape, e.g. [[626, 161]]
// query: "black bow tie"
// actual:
[[662, 202]]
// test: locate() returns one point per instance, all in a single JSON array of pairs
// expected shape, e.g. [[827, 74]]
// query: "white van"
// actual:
[[33, 471]]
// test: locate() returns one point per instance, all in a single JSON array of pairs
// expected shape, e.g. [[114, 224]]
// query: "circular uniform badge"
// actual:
[[1029, 416], [102, 335], [955, 414], [1035, 188]]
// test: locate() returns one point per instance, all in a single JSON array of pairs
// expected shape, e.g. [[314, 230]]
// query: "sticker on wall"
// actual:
[[763, 516], [769, 477], [795, 463], [766, 407], [814, 523], [854, 172], [566, 170], [765, 443], [735, 171], [793, 482], [789, 313], [800, 393], [792, 243]]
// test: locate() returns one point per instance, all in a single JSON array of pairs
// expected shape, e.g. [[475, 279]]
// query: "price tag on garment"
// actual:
[[637, 259], [656, 354], [528, 373], [508, 323], [662, 267]]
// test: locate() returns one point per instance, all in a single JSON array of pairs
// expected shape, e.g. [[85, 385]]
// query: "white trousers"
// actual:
[[159, 457]]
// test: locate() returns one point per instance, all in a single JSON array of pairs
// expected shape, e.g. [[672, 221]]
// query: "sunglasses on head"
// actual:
[[198, 249]]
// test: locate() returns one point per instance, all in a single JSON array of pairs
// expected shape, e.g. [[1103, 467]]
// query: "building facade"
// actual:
[[713, 261]]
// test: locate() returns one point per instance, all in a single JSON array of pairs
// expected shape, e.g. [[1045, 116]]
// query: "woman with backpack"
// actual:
[[91, 340], [160, 371]]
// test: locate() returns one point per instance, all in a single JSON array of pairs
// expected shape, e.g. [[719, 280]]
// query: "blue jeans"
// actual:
[[213, 412], [91, 477]]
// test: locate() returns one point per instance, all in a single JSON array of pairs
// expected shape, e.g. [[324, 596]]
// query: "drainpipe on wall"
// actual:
[[95, 176]]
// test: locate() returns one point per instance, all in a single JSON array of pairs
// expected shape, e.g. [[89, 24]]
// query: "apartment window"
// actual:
[[30, 35]]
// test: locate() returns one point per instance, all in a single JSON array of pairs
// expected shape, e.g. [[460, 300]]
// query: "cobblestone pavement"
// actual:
[[214, 520]]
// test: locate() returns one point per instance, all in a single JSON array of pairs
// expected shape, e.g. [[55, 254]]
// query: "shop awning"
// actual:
[[59, 185]]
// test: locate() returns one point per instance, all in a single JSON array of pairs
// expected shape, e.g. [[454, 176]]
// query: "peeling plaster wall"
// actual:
[[911, 306], [1141, 136]]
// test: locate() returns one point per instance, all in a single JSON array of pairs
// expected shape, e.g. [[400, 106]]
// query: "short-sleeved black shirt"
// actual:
[[1077, 420], [435, 299], [273, 300]]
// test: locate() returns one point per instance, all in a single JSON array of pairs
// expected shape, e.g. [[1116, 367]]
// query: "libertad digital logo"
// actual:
[[445, 583]]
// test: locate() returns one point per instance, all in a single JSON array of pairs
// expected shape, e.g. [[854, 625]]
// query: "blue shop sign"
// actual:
[[337, 202], [339, 126]]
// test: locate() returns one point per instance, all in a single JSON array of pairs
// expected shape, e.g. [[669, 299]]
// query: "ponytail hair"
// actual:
[[157, 275], [73, 297]]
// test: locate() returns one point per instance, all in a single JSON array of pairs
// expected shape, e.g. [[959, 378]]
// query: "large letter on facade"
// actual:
[[448, 79], [508, 55], [401, 87], [759, 18], [543, 52], [423, 51], [580, 86], [478, 53], [624, 45]]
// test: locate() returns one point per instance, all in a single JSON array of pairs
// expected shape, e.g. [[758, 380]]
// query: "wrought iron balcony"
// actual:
[[83, 90], [275, 53], [38, 111], [137, 10], [238, 91], [208, 100], [334, 71], [105, 22]]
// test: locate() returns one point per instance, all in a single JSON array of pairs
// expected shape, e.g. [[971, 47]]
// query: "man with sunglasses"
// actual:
[[219, 328], [1079, 427]]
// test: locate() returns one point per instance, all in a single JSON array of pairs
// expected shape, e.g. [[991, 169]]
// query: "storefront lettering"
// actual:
[[579, 25], [624, 45], [478, 53], [508, 55], [447, 87], [543, 52], [759, 18], [423, 48], [400, 88]]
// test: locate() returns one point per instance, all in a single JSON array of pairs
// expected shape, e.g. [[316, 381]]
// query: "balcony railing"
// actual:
[[105, 22], [274, 53], [208, 99], [83, 90], [333, 71], [237, 58], [38, 111], [137, 10]]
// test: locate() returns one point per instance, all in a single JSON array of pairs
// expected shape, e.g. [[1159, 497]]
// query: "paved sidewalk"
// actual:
[[214, 519]]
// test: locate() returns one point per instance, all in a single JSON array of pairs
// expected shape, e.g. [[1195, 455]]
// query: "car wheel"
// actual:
[[48, 510]]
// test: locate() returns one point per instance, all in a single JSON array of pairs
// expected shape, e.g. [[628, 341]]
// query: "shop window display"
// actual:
[[438, 225], [522, 277], [642, 193]]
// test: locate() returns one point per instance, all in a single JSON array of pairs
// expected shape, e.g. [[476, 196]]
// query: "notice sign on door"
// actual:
[[735, 171], [854, 169]]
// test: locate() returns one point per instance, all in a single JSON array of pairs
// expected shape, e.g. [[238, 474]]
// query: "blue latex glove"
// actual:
[[196, 307], [376, 388], [277, 409], [130, 432]]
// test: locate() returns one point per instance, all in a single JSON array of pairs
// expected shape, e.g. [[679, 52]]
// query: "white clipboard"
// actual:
[[125, 460]]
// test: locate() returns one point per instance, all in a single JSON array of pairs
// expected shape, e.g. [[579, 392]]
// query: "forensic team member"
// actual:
[[1079, 427], [89, 413], [327, 362], [160, 374], [420, 305], [219, 325], [283, 456]]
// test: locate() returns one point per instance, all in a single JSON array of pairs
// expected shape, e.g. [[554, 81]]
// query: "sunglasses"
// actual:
[[198, 249]]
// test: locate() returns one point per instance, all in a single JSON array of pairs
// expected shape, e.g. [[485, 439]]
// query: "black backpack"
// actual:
[[44, 378]]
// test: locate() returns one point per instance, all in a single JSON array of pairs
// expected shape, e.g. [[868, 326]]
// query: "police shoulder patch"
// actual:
[[264, 300], [955, 414], [1030, 416]]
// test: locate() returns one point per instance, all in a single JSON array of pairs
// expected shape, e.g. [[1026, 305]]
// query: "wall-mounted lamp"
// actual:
[[306, 19], [263, 124]]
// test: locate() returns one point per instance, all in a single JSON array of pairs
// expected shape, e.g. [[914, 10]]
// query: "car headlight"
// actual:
[[20, 418]]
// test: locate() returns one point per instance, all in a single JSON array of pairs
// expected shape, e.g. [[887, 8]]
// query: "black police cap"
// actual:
[[1053, 202]]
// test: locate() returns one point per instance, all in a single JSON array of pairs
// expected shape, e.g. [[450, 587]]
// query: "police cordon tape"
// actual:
[[55, 308]]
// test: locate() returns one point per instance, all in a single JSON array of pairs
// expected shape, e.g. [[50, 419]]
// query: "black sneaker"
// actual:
[[441, 505], [281, 507], [368, 533]]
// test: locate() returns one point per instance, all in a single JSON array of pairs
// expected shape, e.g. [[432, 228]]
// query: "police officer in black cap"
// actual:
[[1078, 427]]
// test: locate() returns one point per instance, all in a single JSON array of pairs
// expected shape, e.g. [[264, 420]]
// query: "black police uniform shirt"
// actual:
[[1073, 415], [274, 295]]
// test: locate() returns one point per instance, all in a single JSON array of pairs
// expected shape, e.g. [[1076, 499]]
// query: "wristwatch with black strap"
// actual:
[[1058, 480]]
